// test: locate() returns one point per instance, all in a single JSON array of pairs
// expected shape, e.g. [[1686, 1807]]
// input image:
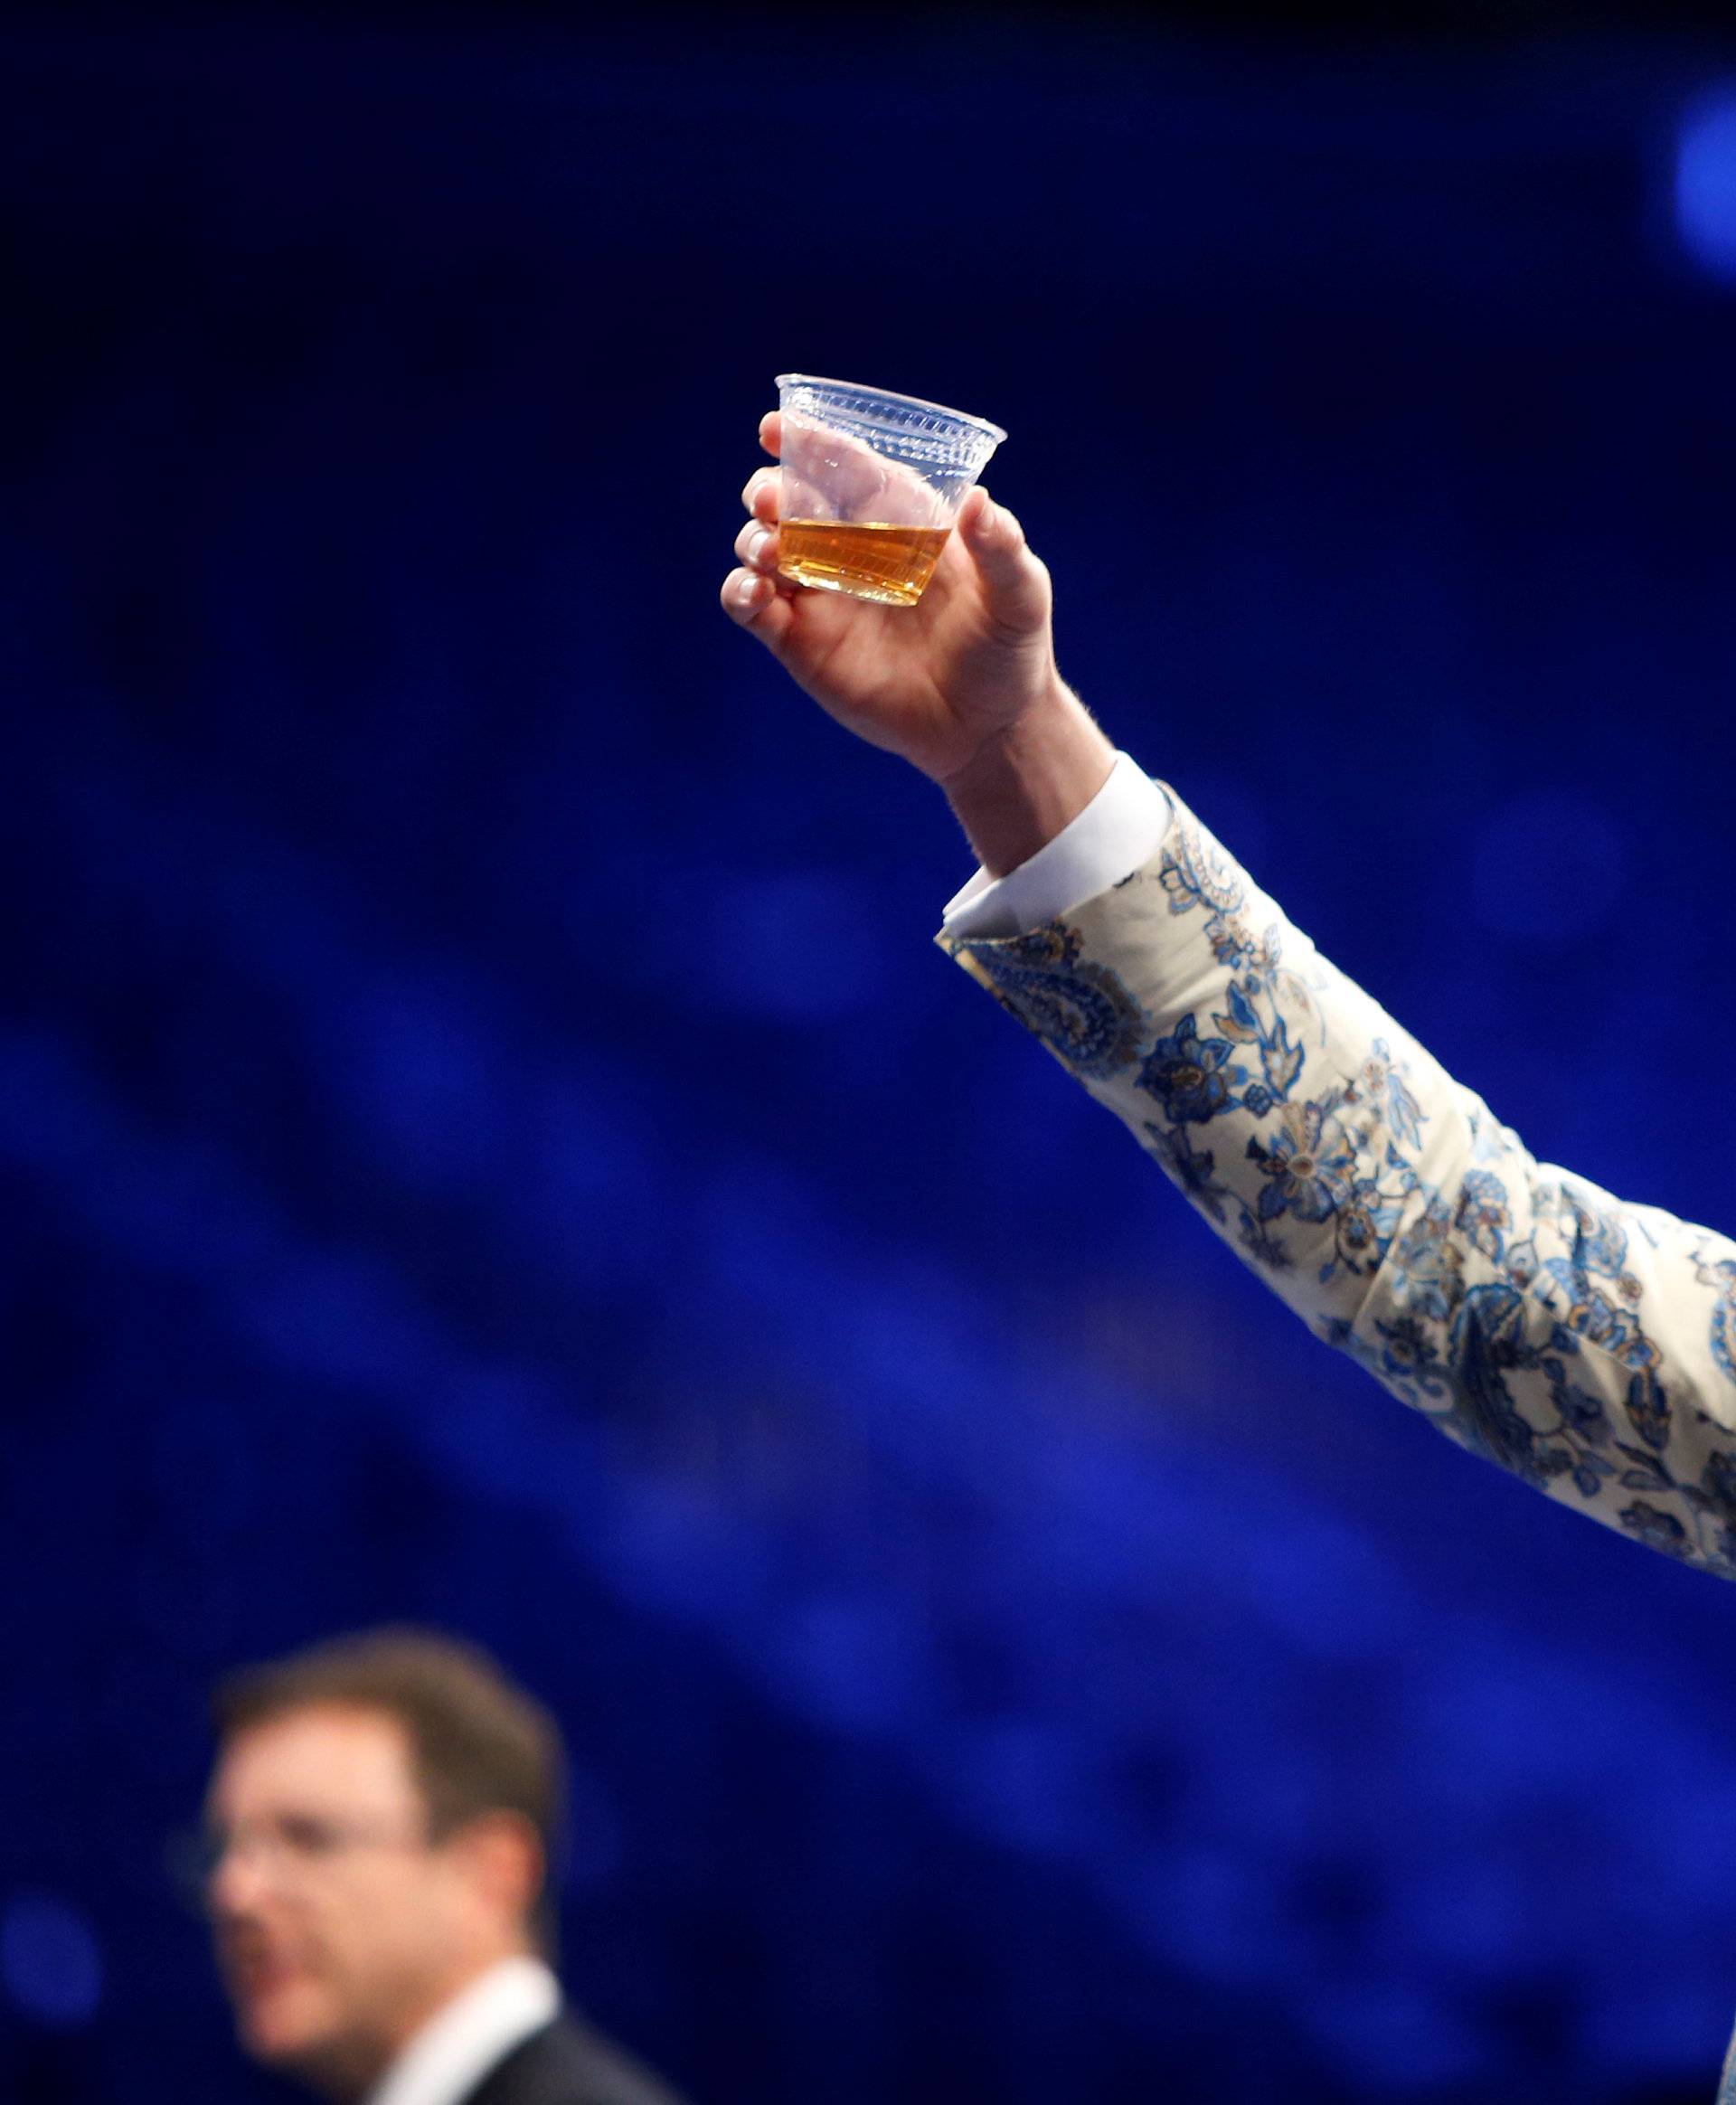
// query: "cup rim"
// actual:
[[887, 394]]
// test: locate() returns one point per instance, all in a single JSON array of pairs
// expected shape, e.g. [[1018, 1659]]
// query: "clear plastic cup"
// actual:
[[872, 484]]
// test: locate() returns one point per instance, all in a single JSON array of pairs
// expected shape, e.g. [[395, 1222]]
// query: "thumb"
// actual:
[[1015, 583]]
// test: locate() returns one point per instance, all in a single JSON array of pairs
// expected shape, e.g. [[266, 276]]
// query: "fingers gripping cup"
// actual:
[[872, 484]]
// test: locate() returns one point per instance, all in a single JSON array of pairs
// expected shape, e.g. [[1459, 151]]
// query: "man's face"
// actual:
[[339, 1927]]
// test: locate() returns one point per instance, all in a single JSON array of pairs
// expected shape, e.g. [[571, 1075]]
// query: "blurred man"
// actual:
[[380, 1821]]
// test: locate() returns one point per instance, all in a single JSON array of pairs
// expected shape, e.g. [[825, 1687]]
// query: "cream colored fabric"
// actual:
[[1585, 1343]]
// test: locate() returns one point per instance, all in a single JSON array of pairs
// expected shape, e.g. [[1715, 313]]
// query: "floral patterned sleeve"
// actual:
[[1586, 1344]]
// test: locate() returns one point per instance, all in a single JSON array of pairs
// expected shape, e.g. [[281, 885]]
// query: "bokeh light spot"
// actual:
[[1705, 182], [49, 1960]]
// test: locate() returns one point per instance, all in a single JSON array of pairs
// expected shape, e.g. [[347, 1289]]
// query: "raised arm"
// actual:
[[1586, 1344]]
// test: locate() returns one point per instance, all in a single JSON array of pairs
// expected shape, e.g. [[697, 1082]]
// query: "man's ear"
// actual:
[[501, 1854]]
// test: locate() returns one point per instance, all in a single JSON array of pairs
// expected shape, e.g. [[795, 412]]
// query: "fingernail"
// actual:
[[747, 591], [756, 544]]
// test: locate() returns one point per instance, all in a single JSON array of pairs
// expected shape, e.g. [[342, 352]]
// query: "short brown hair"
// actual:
[[478, 1743]]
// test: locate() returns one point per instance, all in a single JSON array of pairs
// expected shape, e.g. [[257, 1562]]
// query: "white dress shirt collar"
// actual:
[[476, 2031]]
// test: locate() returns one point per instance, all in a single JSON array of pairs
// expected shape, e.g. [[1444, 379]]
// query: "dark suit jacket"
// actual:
[[567, 2063]]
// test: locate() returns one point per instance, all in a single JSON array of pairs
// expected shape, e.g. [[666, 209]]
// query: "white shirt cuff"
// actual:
[[1119, 831]]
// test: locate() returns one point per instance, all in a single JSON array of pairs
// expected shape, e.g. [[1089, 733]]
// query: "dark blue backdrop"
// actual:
[[486, 1137]]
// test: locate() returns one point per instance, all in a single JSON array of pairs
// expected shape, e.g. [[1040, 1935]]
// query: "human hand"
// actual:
[[963, 684]]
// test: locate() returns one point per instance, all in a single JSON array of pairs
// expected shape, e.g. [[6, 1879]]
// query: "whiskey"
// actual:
[[869, 561]]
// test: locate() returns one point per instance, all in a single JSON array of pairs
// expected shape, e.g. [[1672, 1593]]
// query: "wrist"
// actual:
[[1030, 780]]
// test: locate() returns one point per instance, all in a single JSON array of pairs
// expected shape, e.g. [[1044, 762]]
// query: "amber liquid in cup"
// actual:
[[864, 558]]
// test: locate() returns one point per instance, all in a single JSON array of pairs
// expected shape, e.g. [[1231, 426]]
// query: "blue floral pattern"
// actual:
[[1081, 1011], [1192, 1077], [1588, 1346]]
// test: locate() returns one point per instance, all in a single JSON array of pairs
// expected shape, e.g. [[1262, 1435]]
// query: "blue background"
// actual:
[[485, 1137]]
